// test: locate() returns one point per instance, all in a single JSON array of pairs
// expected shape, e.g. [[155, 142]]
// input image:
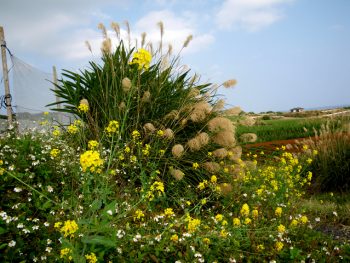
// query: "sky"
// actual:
[[283, 53]]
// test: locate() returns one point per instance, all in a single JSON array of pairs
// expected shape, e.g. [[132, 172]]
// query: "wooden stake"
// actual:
[[6, 77]]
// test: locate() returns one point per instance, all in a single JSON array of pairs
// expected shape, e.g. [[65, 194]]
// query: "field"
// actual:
[[289, 128]]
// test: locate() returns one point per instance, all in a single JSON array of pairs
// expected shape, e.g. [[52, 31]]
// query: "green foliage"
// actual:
[[284, 129], [331, 165]]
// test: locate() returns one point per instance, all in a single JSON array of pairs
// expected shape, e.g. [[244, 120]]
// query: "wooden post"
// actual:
[[6, 77], [54, 71]]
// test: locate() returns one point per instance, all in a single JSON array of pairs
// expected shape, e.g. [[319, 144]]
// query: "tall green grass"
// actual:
[[284, 129]]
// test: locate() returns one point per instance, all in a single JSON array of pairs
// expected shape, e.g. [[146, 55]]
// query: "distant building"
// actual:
[[297, 109]]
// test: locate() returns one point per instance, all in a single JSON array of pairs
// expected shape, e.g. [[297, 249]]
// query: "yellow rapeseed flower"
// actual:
[[245, 210], [279, 246], [213, 179], [72, 129], [54, 153], [168, 212], [193, 224], [219, 217], [92, 144], [142, 58], [304, 219], [66, 252], [278, 211], [112, 127], [174, 238], [84, 108], [139, 215], [236, 221], [91, 161], [281, 228], [91, 258], [69, 228]]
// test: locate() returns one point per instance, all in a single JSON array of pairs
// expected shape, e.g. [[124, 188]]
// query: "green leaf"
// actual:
[[98, 240]]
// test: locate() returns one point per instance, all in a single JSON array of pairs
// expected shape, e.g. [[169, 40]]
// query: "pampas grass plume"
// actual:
[[149, 128], [168, 134], [126, 84], [177, 174], [177, 150], [229, 83]]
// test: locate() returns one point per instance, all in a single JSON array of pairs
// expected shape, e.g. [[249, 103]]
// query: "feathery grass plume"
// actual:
[[177, 150], [188, 40], [220, 153], [149, 128], [219, 105], [170, 50], [183, 122], [225, 188], [106, 47], [122, 105], [235, 153], [161, 28], [218, 124], [115, 26], [177, 174], [229, 83], [103, 29], [211, 167], [146, 96], [234, 111], [150, 48], [193, 93], [128, 30], [224, 138], [194, 78], [84, 102], [200, 111], [198, 142], [248, 121], [248, 137], [87, 44], [143, 39], [126, 84], [168, 134], [173, 115]]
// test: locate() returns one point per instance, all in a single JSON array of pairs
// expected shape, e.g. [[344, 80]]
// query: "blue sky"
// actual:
[[283, 53]]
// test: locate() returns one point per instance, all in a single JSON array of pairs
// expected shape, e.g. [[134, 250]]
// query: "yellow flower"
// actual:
[[157, 186], [168, 212], [278, 246], [56, 132], [92, 144], [84, 108], [69, 228], [236, 221], [309, 160], [174, 238], [138, 215], [193, 224], [304, 219], [195, 165], [281, 228], [305, 147], [278, 211], [309, 175], [112, 127], [223, 233], [219, 217], [201, 185], [91, 161], [206, 241], [46, 113], [247, 221], [127, 149], [142, 58], [57, 224], [54, 153], [203, 201], [213, 179], [72, 129], [91, 258], [293, 223], [135, 134], [260, 247], [65, 252], [314, 152], [255, 213], [245, 210], [160, 133]]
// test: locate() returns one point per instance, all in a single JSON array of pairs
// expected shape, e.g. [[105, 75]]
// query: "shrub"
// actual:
[[331, 165]]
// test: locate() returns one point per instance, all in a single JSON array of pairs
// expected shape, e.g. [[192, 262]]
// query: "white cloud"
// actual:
[[251, 15], [176, 29]]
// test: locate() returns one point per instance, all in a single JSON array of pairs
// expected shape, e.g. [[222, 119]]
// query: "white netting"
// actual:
[[31, 91]]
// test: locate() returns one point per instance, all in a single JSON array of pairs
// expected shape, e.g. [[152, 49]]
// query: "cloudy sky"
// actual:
[[283, 53]]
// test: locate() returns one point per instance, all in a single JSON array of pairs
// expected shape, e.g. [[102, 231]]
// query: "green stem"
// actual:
[[33, 189]]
